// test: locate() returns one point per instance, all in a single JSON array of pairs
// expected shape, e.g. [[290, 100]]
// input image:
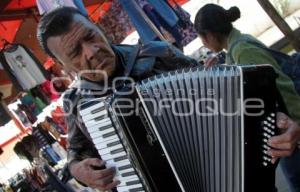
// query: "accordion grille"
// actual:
[[196, 115]]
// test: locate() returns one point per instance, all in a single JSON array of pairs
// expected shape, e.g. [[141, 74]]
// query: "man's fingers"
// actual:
[[94, 162], [210, 62], [103, 181], [274, 159], [99, 174], [283, 146], [287, 137], [279, 153]]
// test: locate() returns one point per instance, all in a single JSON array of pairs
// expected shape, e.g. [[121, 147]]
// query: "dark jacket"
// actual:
[[153, 58]]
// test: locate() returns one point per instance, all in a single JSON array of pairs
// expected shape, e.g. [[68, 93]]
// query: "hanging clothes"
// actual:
[[185, 26], [166, 19], [44, 6], [43, 136], [5, 117], [8, 71], [116, 23], [135, 14], [29, 101], [24, 67], [22, 117]]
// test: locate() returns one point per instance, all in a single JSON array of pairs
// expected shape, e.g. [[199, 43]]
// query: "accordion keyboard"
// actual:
[[110, 148]]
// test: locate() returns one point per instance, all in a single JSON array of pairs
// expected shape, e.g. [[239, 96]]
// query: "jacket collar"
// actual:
[[233, 36]]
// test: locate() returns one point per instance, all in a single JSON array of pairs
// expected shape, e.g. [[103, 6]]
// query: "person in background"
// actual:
[[214, 26]]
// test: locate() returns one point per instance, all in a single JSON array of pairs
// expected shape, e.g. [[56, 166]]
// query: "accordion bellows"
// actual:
[[208, 127]]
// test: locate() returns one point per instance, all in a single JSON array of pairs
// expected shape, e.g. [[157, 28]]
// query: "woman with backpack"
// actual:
[[214, 26]]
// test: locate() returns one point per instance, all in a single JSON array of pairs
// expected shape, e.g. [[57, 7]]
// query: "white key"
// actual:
[[105, 144], [110, 149], [125, 182], [120, 173], [99, 128], [93, 123], [112, 163], [103, 122], [90, 116], [101, 133], [127, 188], [127, 178], [101, 139], [109, 156], [91, 108]]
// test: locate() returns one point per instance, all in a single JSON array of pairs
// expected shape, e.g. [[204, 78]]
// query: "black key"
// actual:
[[98, 110], [100, 117], [113, 143], [137, 189], [105, 127], [133, 182], [120, 158], [124, 167], [117, 151], [109, 134], [128, 174]]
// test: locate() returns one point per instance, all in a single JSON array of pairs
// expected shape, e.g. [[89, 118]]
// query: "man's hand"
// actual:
[[85, 172], [210, 61], [284, 145]]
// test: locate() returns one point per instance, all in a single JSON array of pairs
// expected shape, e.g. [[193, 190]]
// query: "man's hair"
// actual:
[[55, 23]]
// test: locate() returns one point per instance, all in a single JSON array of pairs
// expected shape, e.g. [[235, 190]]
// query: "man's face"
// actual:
[[84, 49]]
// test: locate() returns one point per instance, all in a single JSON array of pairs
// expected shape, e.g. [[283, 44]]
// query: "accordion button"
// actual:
[[272, 114], [266, 147], [269, 119], [265, 164], [273, 127]]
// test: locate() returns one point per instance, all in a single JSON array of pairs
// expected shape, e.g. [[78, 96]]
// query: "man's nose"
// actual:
[[89, 50]]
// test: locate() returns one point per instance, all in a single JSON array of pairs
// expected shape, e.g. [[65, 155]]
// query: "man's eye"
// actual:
[[75, 52], [89, 37]]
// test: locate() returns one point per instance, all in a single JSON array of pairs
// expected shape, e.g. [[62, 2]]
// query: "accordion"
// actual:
[[193, 130]]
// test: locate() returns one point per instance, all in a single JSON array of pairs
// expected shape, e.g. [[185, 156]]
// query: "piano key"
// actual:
[[131, 181], [111, 149], [101, 133], [124, 179], [112, 163], [107, 135], [95, 127], [88, 110], [124, 167], [114, 156], [105, 121], [130, 188], [92, 123], [101, 139], [127, 173], [103, 127], [95, 116], [108, 143]]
